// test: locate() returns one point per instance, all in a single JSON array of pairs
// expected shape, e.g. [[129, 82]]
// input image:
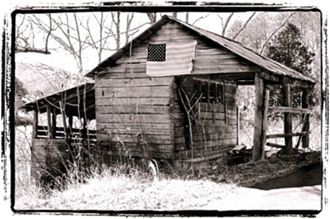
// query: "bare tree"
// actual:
[[275, 31], [116, 20], [225, 22], [187, 17], [152, 17], [129, 19], [244, 26], [98, 41], [25, 36], [200, 18], [78, 34], [68, 35]]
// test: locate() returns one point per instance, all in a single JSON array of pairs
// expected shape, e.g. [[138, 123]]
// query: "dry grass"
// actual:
[[126, 188], [111, 190], [191, 187]]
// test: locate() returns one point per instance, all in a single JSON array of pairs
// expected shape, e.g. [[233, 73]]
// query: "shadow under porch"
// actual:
[[64, 131], [223, 121]]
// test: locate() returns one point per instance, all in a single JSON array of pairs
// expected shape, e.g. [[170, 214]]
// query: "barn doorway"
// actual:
[[245, 99]]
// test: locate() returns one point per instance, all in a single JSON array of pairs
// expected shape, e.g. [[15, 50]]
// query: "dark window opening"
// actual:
[[156, 52], [209, 92]]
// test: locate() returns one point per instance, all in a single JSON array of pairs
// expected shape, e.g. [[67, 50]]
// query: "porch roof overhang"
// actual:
[[75, 101]]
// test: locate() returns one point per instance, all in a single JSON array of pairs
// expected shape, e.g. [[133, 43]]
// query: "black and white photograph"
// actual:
[[174, 108]]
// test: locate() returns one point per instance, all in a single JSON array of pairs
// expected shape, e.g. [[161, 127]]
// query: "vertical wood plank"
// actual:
[[264, 123], [258, 118], [64, 120], [216, 95], [208, 92], [49, 122], [70, 122], [286, 90], [53, 122], [84, 131], [70, 126], [237, 125], [305, 128], [224, 100], [35, 124]]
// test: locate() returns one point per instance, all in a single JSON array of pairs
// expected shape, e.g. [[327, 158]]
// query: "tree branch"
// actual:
[[226, 24], [244, 26], [32, 50], [271, 36], [200, 18]]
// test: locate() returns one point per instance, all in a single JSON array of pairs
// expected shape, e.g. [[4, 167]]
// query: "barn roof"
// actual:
[[235, 47]]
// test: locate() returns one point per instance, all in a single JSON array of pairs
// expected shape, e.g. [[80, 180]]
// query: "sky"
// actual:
[[61, 58]]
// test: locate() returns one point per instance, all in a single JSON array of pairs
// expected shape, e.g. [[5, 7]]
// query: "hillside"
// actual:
[[41, 79]]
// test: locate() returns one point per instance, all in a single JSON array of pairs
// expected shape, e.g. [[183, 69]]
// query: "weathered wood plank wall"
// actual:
[[129, 102], [49, 156], [216, 128]]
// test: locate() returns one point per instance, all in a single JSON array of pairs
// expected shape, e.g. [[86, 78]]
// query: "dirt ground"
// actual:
[[253, 173], [301, 198], [204, 187]]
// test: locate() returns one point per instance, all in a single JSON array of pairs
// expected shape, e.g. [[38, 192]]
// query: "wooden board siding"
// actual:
[[133, 112], [48, 155], [129, 102], [208, 59], [216, 131]]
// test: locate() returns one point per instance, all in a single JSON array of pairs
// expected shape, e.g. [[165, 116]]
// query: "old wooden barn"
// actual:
[[167, 94]]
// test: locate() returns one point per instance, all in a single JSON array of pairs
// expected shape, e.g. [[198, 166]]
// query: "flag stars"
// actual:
[[156, 52]]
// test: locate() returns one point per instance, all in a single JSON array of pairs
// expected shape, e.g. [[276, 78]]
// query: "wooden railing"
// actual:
[[74, 133], [290, 110], [286, 135], [283, 109]]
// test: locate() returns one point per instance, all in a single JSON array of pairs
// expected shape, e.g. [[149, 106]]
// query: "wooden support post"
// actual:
[[49, 122], [286, 90], [64, 120], [216, 93], [259, 120], [35, 124], [264, 123], [53, 122], [238, 122], [305, 128], [208, 93], [70, 122], [84, 131], [224, 101]]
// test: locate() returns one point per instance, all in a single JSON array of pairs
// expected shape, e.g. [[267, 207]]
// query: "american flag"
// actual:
[[170, 58]]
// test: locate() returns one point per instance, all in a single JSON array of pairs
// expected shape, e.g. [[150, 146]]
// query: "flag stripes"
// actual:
[[178, 60]]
